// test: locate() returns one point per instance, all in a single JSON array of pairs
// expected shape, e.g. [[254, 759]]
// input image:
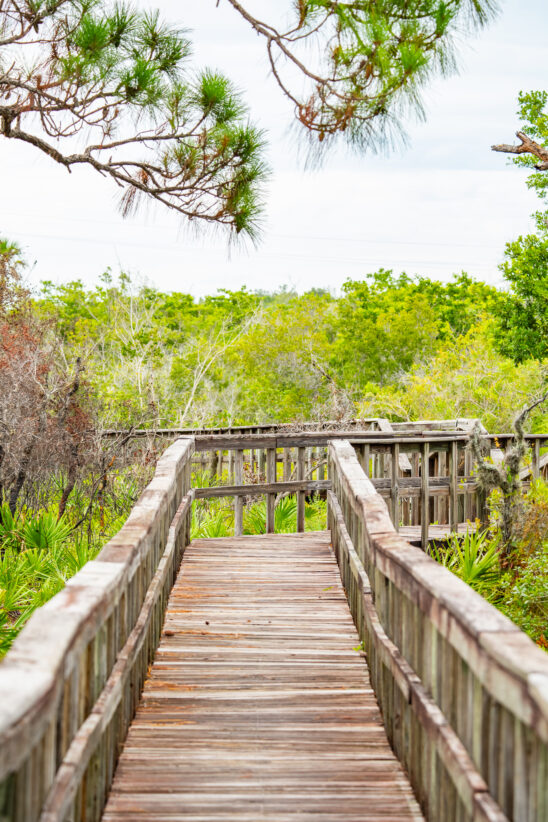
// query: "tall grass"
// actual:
[[215, 517]]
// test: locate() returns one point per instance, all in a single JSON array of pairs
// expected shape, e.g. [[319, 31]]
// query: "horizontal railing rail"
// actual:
[[71, 682], [463, 691], [367, 423], [426, 477]]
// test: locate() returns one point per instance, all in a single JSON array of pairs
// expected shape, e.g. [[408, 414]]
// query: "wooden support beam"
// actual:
[[425, 496], [238, 499], [271, 496], [300, 494], [453, 487], [259, 490], [394, 490], [536, 459]]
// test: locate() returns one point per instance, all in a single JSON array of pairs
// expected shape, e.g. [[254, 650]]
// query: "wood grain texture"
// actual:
[[464, 692], [258, 704], [68, 689]]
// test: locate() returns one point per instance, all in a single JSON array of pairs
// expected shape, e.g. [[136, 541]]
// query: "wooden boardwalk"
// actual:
[[259, 705]]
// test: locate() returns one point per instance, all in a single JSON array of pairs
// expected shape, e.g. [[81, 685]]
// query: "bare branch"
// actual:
[[526, 146]]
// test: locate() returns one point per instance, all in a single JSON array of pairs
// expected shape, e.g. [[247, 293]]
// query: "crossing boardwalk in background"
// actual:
[[258, 704]]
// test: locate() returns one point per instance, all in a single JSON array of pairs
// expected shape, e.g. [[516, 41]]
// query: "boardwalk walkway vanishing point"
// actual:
[[258, 704], [335, 676]]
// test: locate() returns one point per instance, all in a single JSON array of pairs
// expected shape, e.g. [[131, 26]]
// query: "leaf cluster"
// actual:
[[118, 79]]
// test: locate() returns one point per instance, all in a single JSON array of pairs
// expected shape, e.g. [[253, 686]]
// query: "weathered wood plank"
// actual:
[[258, 704], [464, 673], [238, 498], [260, 489], [68, 686]]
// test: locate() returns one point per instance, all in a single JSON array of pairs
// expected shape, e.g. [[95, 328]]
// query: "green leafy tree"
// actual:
[[466, 378], [386, 324], [523, 323], [279, 366], [532, 151]]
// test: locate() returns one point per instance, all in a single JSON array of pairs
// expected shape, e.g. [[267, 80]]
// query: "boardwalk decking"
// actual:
[[258, 705]]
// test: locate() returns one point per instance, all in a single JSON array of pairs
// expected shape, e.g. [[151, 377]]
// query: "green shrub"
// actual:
[[474, 559]]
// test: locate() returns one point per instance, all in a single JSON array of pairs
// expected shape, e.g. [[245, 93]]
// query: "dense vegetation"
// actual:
[[76, 361], [395, 346]]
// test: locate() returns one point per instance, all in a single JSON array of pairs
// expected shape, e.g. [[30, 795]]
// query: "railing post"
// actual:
[[366, 456], [394, 489], [271, 470], [453, 487], [300, 494], [425, 497], [238, 500], [468, 462], [287, 464], [535, 468], [322, 457]]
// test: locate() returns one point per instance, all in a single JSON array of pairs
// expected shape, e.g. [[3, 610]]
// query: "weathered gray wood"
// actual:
[[263, 488], [58, 731], [366, 458], [238, 498], [271, 495], [457, 682], [425, 495], [300, 494], [454, 487], [88, 737], [306, 439], [394, 490], [536, 459], [259, 705], [446, 666]]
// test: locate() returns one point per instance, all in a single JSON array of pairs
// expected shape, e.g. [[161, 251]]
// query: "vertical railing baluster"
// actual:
[[366, 457], [416, 499], [468, 462], [453, 487], [394, 489], [300, 494], [238, 499], [425, 496], [536, 459], [270, 497]]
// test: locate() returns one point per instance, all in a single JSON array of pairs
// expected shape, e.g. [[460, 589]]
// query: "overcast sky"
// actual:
[[445, 204]]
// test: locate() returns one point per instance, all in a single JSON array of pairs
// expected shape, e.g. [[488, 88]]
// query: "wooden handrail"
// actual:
[[463, 691], [70, 683], [427, 476]]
